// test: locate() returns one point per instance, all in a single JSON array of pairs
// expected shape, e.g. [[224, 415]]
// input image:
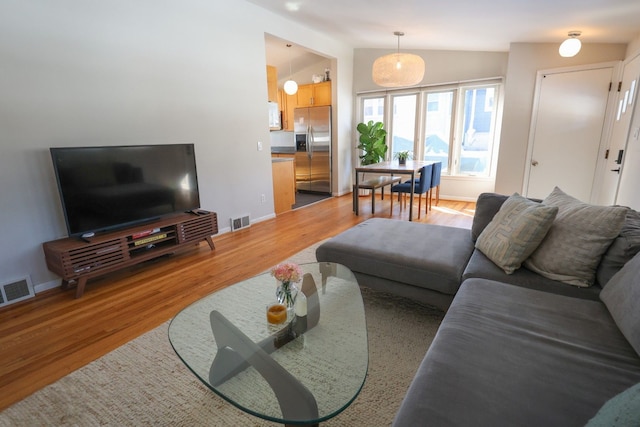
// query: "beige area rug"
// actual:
[[143, 383]]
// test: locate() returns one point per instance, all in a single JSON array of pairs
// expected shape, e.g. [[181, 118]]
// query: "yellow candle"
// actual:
[[276, 314]]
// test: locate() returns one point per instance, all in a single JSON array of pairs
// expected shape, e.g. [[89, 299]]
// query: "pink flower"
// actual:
[[287, 272]]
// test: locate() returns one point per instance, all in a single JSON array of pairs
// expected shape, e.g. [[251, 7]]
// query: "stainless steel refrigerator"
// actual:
[[312, 132]]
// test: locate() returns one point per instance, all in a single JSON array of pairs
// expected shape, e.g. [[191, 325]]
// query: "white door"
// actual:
[[567, 128], [628, 187], [624, 136]]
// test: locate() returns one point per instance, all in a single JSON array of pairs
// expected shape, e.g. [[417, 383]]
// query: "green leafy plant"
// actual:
[[372, 142], [402, 155]]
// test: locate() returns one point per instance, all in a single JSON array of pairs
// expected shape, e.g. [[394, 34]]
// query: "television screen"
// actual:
[[104, 188]]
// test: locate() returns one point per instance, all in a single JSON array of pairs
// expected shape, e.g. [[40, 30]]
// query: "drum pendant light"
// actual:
[[398, 69], [571, 46], [290, 86]]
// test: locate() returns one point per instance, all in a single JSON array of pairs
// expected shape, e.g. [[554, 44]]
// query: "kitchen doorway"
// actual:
[[305, 199]]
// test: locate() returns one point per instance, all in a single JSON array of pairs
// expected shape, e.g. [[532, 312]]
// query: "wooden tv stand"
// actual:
[[77, 260]]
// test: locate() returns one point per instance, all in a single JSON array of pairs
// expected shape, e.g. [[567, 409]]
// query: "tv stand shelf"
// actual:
[[77, 260]]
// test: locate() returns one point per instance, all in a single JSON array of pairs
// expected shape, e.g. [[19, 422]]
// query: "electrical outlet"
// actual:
[[263, 198], [259, 145]]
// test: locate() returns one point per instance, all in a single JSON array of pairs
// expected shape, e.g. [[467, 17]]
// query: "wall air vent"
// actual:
[[240, 222], [15, 291]]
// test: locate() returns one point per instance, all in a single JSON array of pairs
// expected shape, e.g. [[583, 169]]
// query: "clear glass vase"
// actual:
[[286, 294]]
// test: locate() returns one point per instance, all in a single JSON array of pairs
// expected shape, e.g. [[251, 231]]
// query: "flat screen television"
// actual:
[[111, 187]]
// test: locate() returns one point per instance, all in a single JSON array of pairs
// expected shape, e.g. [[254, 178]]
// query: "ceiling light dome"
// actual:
[[290, 87], [571, 46], [398, 69]]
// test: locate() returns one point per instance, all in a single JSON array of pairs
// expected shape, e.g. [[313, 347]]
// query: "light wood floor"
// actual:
[[53, 334]]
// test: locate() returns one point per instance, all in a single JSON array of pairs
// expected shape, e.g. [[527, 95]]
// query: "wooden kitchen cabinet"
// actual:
[[314, 95], [284, 183], [311, 95], [272, 83], [287, 103]]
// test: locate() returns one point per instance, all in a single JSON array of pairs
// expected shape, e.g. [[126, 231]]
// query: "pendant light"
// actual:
[[290, 86], [571, 46], [398, 69]]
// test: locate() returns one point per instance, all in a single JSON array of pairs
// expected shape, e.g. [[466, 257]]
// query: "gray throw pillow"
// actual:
[[579, 236], [623, 248], [622, 298], [515, 232]]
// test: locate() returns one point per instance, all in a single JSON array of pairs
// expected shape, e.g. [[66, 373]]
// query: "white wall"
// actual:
[[634, 47], [121, 72], [525, 59]]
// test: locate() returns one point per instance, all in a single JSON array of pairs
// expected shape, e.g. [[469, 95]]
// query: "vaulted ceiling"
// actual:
[[480, 25]]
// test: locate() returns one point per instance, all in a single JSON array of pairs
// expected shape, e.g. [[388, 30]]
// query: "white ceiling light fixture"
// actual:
[[571, 46], [398, 69], [290, 86]]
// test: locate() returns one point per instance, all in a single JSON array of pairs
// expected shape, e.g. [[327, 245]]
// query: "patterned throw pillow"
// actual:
[[620, 411], [579, 236], [515, 232]]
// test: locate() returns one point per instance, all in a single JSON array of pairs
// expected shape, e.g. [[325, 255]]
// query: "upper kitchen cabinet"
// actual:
[[314, 95], [287, 103], [272, 83]]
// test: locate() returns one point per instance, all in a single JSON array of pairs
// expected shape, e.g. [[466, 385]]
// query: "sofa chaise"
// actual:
[[543, 310]]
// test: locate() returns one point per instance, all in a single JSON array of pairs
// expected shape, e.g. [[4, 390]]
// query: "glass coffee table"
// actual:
[[302, 372]]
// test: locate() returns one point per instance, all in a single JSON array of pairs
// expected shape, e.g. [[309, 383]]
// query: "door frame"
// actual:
[[606, 128], [630, 132]]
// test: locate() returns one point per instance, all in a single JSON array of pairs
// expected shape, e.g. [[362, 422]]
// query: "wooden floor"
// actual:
[[53, 334]]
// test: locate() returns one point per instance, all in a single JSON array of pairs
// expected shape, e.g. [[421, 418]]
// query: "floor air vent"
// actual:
[[16, 291], [241, 222]]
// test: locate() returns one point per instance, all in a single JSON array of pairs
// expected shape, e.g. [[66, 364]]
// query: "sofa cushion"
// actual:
[[623, 248], [621, 411], [622, 298], [509, 356], [579, 236], [481, 267], [423, 255], [515, 232]]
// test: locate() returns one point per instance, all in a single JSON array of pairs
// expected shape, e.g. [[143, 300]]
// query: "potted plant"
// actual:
[[402, 156], [372, 142]]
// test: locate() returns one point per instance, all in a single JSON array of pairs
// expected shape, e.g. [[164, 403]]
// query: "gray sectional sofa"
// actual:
[[523, 342]]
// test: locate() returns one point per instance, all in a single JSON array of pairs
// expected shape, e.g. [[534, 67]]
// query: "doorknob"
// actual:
[[534, 163], [615, 170]]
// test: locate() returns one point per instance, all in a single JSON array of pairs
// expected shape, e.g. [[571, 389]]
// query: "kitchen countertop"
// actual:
[[292, 150], [283, 150], [282, 159]]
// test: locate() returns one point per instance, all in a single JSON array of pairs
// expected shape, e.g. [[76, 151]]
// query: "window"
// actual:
[[477, 131], [454, 124], [437, 128], [403, 123], [373, 109]]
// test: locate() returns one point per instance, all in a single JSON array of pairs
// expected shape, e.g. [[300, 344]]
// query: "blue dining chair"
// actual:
[[436, 172], [421, 186], [435, 182]]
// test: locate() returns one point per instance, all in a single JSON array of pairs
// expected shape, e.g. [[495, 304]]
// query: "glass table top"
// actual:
[[304, 371]]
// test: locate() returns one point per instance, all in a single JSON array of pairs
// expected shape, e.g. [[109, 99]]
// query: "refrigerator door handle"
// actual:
[[310, 141]]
